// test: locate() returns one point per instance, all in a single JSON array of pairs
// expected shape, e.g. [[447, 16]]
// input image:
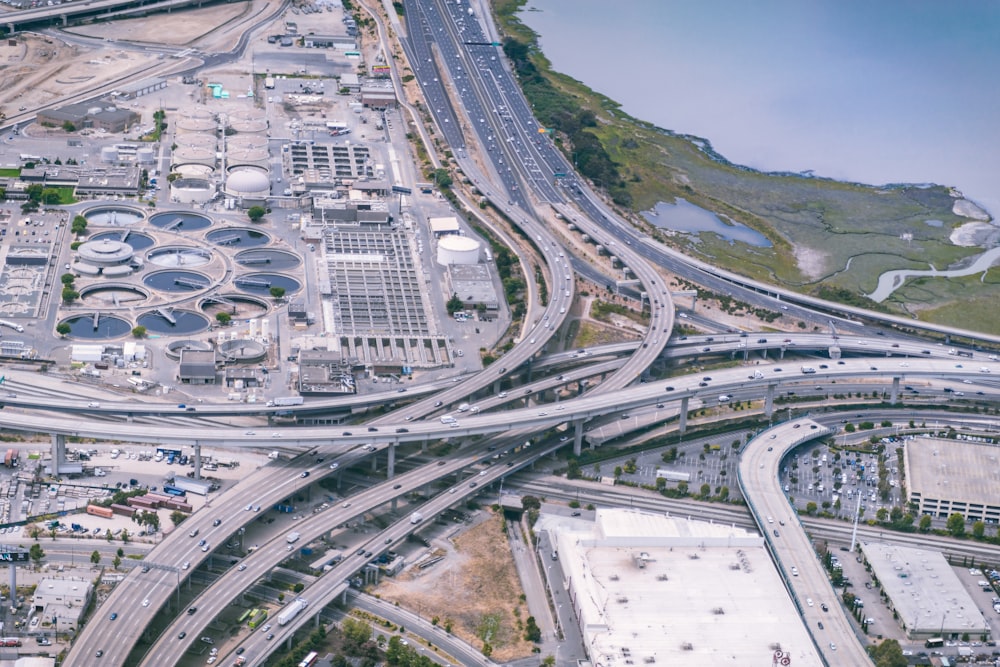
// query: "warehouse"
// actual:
[[924, 592], [945, 477], [651, 588]]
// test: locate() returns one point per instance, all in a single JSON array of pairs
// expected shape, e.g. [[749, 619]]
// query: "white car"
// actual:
[[145, 603], [809, 601]]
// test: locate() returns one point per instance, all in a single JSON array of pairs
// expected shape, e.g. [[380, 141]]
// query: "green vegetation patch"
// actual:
[[10, 173]]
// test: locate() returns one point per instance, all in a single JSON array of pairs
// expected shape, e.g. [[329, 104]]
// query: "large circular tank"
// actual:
[[194, 155], [191, 170], [199, 139], [246, 141], [192, 190], [248, 183], [198, 112], [195, 125], [145, 155], [109, 154], [104, 253], [245, 114], [454, 249], [247, 156], [249, 125]]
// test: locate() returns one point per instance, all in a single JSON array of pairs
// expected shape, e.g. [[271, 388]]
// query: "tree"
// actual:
[[705, 491], [531, 503], [67, 279], [277, 292], [68, 126], [139, 331], [925, 523], [956, 525], [223, 318], [887, 654], [79, 225], [978, 530], [454, 304], [69, 295], [356, 632], [51, 197], [36, 553], [255, 213], [810, 508], [532, 632], [549, 661], [95, 557], [117, 561], [177, 517], [125, 536], [442, 178]]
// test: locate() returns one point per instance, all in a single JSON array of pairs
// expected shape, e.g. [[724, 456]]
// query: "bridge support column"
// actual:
[[390, 461], [197, 461], [343, 598], [65, 19], [577, 437], [895, 390], [682, 417], [769, 401], [496, 387], [12, 567], [781, 352], [58, 458]]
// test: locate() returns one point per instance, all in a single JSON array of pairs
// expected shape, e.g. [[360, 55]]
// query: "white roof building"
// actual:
[[654, 589]]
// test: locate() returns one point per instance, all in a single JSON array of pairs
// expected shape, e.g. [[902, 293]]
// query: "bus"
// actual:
[[244, 616], [173, 490], [310, 659], [934, 642], [257, 618]]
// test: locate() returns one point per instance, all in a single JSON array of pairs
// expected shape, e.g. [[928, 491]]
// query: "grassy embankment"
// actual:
[[816, 225]]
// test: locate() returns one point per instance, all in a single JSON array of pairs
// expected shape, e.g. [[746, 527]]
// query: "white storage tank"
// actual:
[[145, 156], [194, 155], [195, 125], [109, 154], [199, 139], [192, 190], [454, 249]]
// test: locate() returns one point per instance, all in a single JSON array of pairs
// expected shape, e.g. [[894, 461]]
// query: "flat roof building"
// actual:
[[197, 366], [924, 592], [945, 477], [652, 589]]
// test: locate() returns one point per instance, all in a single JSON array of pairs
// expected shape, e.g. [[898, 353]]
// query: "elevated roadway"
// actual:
[[791, 547]]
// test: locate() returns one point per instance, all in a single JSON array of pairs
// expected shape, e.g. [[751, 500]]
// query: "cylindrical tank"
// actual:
[[192, 190], [194, 154], [145, 156], [246, 141], [200, 139], [454, 249], [195, 125], [252, 156], [249, 125], [109, 154]]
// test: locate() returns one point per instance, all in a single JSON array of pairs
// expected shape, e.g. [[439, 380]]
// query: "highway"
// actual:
[[447, 52]]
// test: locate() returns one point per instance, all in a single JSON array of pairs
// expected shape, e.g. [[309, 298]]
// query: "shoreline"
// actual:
[[705, 145]]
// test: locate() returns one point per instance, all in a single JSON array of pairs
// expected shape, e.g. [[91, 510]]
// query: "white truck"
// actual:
[[416, 517], [284, 401], [808, 370], [292, 611], [757, 375], [292, 538]]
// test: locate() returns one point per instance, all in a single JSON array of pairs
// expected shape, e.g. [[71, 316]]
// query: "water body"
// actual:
[[890, 281], [876, 92], [687, 217]]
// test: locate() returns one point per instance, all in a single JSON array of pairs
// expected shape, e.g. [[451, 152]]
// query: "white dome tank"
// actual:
[[109, 154], [195, 125], [454, 249], [194, 154]]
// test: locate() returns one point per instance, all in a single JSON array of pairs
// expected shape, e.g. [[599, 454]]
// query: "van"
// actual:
[[555, 555], [93, 404]]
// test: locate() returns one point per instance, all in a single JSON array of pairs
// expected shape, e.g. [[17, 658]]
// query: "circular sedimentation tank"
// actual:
[[180, 221], [243, 350], [177, 281], [137, 240], [113, 216], [179, 256], [112, 295], [268, 258], [85, 326], [238, 237], [173, 321], [261, 283]]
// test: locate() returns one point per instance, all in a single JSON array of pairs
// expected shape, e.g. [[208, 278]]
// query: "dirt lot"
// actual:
[[180, 28], [475, 589]]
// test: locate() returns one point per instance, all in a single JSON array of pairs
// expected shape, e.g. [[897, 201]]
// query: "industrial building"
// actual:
[[924, 592], [945, 477], [62, 601], [87, 115], [652, 589]]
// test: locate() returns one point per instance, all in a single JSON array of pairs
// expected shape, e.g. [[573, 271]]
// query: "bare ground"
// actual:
[[475, 587]]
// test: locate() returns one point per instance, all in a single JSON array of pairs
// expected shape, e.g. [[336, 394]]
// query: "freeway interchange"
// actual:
[[479, 109]]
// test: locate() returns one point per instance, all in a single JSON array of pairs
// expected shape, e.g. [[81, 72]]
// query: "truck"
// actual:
[[757, 375], [292, 611], [416, 517], [464, 407], [808, 370], [284, 401], [725, 398], [293, 537], [269, 82]]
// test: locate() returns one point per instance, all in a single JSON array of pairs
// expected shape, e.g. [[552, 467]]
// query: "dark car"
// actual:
[[670, 389], [402, 430], [702, 384], [397, 486], [100, 652], [372, 429], [270, 636], [114, 615], [217, 522], [472, 485], [192, 610], [240, 650], [182, 635], [347, 433], [305, 473], [438, 404]]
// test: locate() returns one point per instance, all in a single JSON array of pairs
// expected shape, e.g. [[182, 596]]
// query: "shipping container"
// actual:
[[97, 510]]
